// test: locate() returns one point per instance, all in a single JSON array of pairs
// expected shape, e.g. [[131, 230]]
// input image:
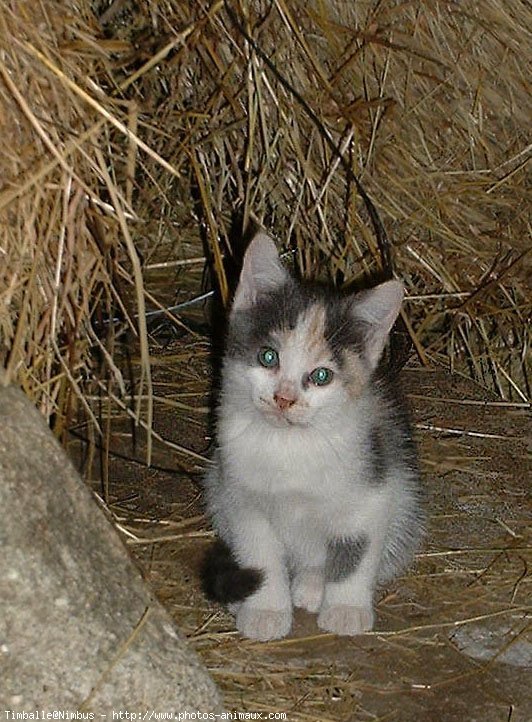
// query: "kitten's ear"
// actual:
[[262, 272], [378, 308]]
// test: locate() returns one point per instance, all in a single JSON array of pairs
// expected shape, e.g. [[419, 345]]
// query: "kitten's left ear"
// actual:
[[378, 308], [262, 272]]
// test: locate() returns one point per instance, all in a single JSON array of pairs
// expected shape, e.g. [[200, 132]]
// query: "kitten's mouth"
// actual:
[[278, 417]]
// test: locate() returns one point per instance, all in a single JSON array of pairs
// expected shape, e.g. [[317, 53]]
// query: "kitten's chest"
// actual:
[[292, 465]]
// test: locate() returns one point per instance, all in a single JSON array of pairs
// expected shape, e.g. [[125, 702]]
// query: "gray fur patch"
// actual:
[[378, 455], [344, 556], [278, 310], [342, 330]]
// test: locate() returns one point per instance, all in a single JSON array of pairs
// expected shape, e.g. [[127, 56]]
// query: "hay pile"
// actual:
[[140, 139]]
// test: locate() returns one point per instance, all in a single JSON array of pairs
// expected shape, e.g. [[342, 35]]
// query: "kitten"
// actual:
[[314, 487]]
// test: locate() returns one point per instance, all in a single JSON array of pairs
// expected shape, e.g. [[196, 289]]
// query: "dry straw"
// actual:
[[138, 136]]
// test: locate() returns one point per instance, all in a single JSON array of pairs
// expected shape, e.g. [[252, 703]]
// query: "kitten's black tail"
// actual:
[[224, 580]]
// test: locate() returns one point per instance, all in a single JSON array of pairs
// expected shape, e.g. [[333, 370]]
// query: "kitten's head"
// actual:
[[296, 353]]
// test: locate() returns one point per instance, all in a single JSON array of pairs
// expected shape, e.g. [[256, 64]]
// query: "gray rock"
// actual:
[[504, 641], [79, 629]]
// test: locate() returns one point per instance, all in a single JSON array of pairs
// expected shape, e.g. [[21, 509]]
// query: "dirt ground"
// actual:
[[452, 639]]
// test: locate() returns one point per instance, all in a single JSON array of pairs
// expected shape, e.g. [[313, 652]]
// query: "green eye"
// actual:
[[321, 376], [268, 357]]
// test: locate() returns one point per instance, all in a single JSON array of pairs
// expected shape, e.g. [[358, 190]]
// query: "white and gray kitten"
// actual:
[[314, 490]]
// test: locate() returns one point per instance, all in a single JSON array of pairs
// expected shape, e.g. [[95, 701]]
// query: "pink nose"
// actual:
[[283, 402]]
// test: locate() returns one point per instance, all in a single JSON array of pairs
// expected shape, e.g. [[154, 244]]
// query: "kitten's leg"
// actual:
[[350, 577], [267, 613], [308, 586], [308, 564], [350, 580]]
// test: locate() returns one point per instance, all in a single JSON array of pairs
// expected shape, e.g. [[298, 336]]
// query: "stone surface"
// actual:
[[507, 642], [78, 628]]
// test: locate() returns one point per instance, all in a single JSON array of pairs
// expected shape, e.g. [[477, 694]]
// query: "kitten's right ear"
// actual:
[[378, 308], [262, 272]]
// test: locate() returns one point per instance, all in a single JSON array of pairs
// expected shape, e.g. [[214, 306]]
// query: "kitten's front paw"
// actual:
[[307, 590], [263, 624], [346, 620]]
